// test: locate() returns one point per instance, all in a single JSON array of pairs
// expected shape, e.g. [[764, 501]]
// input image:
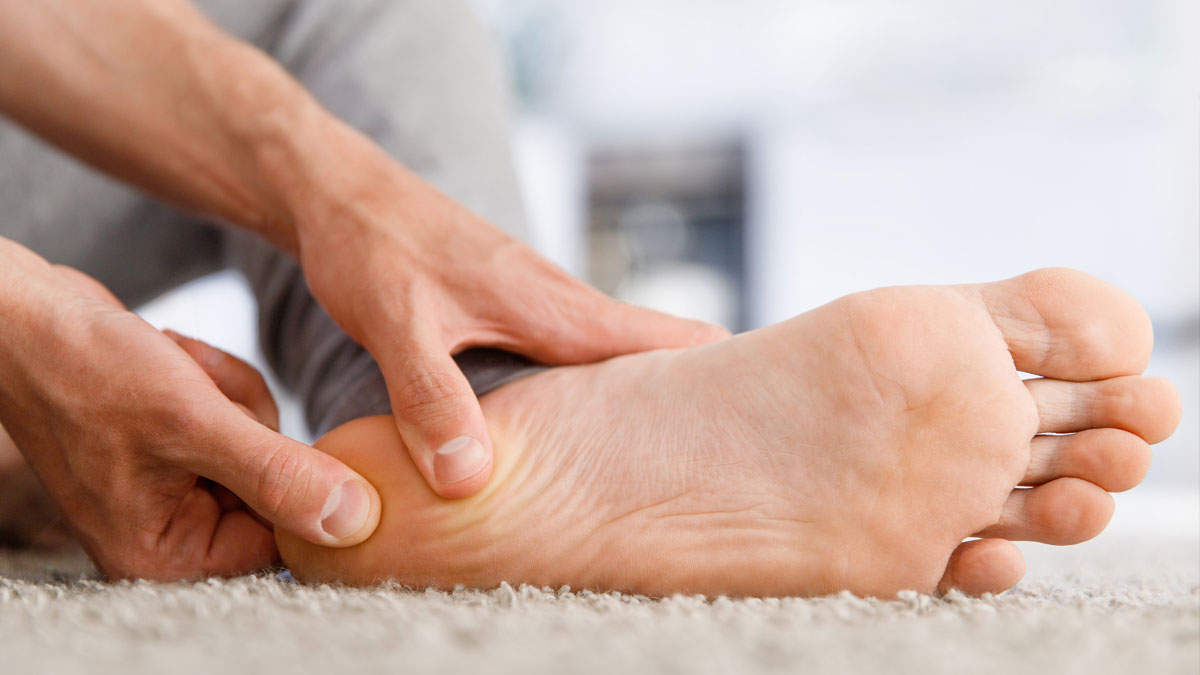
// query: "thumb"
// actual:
[[439, 419], [298, 488]]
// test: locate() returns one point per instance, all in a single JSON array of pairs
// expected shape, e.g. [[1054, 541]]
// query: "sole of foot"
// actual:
[[854, 447]]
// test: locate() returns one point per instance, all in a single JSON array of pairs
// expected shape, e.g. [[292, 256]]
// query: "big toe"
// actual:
[[1069, 325], [983, 566]]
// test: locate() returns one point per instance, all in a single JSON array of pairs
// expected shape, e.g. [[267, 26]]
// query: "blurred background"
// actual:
[[743, 162]]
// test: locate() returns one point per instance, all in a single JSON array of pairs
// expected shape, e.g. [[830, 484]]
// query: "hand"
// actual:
[[416, 278], [405, 271], [134, 434]]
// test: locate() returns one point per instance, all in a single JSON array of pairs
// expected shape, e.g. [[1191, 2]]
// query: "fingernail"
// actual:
[[346, 510], [458, 460]]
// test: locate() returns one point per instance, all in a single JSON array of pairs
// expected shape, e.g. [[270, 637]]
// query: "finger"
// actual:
[[231, 502], [226, 500], [235, 378], [212, 541], [439, 418], [296, 487], [241, 545], [583, 325]]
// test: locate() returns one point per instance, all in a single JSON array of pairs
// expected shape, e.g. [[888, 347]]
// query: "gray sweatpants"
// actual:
[[420, 77]]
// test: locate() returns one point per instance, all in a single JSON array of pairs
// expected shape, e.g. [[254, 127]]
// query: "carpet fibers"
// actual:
[[1119, 606]]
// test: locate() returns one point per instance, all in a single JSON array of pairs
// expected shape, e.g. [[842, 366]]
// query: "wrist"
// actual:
[[328, 180], [20, 270], [271, 124], [30, 303], [267, 143]]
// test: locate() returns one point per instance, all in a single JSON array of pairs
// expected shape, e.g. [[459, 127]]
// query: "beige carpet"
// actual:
[[1116, 606]]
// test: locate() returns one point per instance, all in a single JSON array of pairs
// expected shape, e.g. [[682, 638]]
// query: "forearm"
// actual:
[[32, 307], [22, 276], [153, 93]]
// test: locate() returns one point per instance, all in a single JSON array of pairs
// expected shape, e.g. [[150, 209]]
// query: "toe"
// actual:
[[1146, 406], [1113, 459], [983, 566], [1069, 325], [1062, 512]]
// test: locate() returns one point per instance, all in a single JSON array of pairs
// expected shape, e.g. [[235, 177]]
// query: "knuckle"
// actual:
[[282, 477], [174, 430], [429, 396], [190, 418]]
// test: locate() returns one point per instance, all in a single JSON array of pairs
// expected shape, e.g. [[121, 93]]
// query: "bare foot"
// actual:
[[853, 447]]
